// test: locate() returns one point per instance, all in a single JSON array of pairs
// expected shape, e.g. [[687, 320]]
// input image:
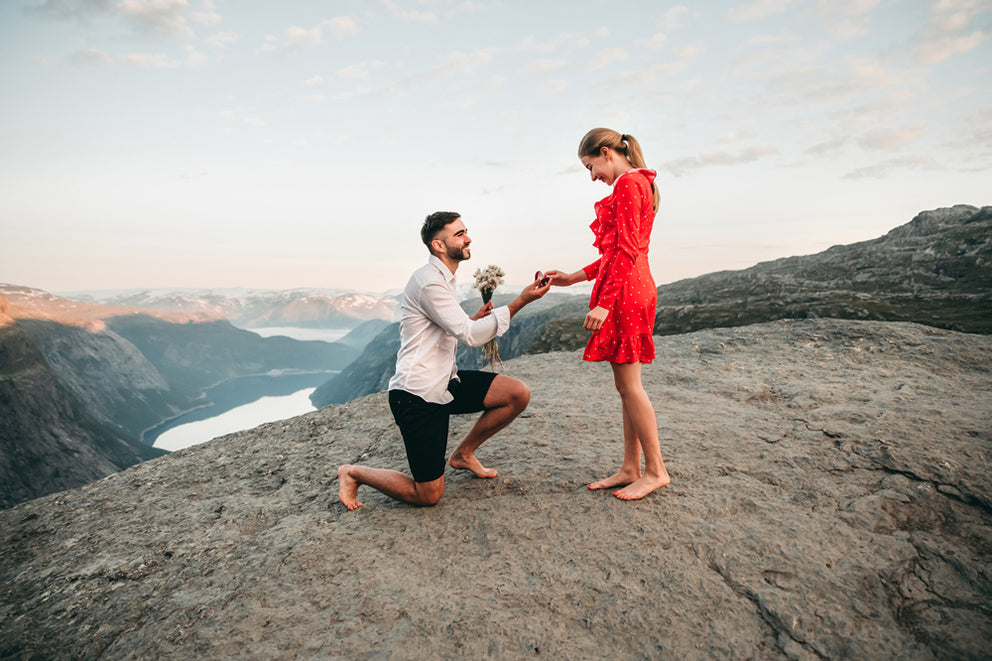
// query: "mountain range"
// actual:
[[257, 308]]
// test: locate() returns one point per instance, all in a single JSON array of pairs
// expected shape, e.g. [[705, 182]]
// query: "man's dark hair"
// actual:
[[434, 223]]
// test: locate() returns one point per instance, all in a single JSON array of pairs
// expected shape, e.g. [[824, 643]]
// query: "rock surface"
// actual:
[[831, 498]]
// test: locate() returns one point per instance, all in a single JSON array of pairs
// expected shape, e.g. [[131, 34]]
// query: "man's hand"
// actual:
[[483, 312], [595, 319], [531, 293]]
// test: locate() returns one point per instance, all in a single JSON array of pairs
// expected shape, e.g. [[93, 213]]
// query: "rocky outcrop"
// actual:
[[935, 270], [831, 498]]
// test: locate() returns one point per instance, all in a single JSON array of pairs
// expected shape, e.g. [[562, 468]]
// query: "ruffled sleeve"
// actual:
[[628, 198]]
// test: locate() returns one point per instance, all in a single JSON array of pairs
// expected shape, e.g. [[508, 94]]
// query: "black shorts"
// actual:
[[424, 425]]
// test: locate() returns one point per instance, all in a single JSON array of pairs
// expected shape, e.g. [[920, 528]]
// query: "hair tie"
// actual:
[[623, 137]]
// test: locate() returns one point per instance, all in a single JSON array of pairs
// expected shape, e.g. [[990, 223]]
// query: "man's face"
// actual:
[[455, 239]]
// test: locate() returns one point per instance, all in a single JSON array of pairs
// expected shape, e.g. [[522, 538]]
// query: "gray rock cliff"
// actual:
[[49, 441]]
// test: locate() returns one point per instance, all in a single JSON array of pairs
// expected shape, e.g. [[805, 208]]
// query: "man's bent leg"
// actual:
[[392, 483], [506, 399]]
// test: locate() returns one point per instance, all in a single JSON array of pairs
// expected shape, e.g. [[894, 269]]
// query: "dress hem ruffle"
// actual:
[[622, 349]]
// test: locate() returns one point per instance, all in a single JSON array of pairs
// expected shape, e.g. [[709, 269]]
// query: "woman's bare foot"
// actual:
[[642, 487], [470, 463], [620, 479], [348, 488]]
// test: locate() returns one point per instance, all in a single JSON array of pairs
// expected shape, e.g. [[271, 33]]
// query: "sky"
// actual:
[[277, 145]]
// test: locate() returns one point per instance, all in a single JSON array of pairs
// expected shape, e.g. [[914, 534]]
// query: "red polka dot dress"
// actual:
[[623, 282]]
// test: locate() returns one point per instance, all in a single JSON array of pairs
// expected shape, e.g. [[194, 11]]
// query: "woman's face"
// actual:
[[604, 166]]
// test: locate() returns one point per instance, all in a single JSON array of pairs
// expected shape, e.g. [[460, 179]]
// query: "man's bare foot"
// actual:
[[470, 463], [642, 487], [621, 479], [348, 488]]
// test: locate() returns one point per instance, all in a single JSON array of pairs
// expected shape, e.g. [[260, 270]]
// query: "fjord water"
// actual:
[[246, 416], [246, 402]]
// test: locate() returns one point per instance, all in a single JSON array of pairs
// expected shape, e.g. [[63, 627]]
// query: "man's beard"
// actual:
[[458, 254]]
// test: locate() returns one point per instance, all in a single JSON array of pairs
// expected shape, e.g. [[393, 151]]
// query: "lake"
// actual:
[[246, 402], [246, 416]]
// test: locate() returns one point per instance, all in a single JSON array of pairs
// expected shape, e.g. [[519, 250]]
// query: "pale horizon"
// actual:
[[204, 144]]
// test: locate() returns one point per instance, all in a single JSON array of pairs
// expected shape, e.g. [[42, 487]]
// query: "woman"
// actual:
[[624, 296]]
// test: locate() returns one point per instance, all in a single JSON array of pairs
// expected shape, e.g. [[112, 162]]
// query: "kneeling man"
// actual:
[[428, 387]]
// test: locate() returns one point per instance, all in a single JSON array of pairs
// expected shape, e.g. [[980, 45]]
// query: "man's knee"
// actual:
[[519, 395], [507, 391], [429, 493], [524, 395]]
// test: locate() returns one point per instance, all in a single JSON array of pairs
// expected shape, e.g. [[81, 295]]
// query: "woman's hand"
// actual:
[[483, 312], [596, 318], [559, 279]]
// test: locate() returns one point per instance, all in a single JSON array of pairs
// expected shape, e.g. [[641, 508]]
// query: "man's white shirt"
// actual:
[[431, 325]]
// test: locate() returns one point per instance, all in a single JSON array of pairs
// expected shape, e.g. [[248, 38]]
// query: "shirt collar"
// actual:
[[436, 262]]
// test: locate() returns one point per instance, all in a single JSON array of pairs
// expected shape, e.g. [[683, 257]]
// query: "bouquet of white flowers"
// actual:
[[486, 281]]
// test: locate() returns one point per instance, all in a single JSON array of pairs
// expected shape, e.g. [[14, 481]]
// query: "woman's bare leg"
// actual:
[[637, 405], [630, 470]]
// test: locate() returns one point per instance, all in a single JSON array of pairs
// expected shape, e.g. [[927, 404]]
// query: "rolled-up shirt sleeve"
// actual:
[[442, 308]]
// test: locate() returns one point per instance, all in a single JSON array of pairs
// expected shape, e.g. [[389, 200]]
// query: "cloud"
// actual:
[[90, 56], [358, 71], [221, 39], [672, 19], [270, 45], [315, 81], [758, 10], [827, 146], [544, 66], [682, 166], [298, 38], [887, 167], [607, 56], [461, 62], [413, 14], [208, 16], [846, 19], [951, 31], [163, 16], [563, 42], [888, 139], [656, 40], [151, 61], [552, 87], [194, 58], [71, 10], [309, 98]]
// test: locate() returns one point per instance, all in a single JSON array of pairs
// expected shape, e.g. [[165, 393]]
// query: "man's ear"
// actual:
[[437, 246]]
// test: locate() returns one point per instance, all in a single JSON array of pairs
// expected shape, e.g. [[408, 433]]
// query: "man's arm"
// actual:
[[439, 304], [531, 293]]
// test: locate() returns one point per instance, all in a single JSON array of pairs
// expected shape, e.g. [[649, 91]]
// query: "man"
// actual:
[[428, 387]]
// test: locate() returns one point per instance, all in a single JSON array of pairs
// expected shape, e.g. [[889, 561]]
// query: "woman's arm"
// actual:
[[628, 197], [560, 279]]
